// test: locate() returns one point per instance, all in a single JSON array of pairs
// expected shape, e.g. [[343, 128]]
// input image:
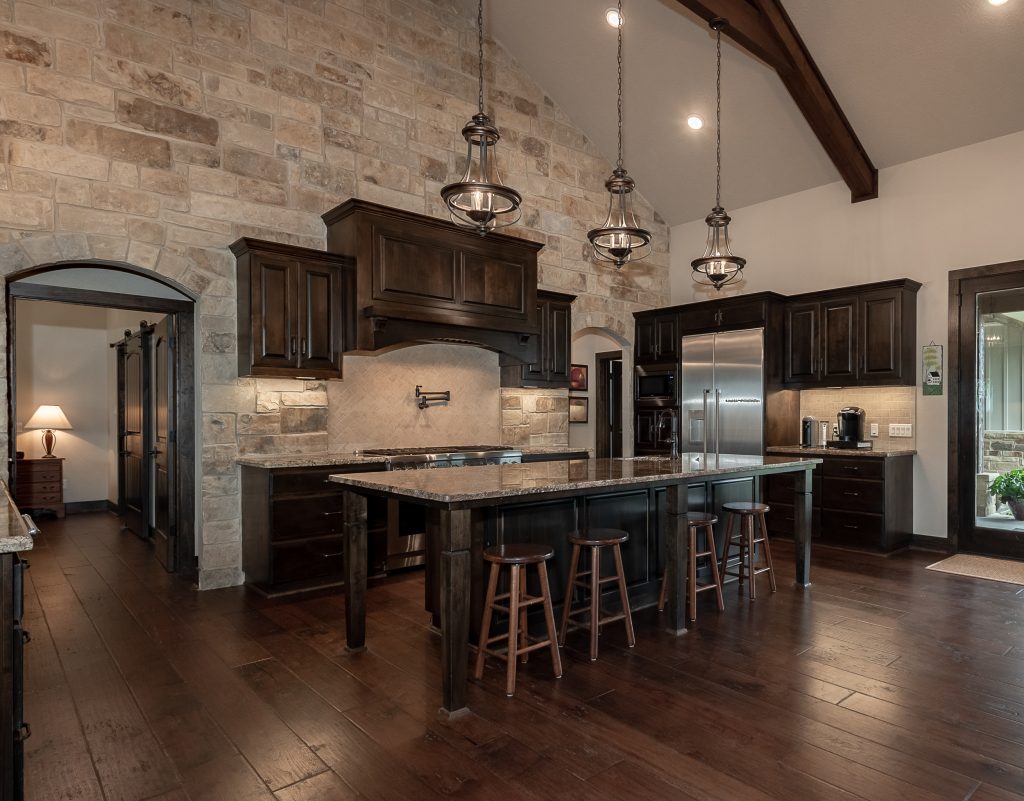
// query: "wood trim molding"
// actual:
[[764, 29], [91, 297]]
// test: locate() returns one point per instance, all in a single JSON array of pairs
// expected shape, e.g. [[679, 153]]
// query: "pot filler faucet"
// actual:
[[673, 430]]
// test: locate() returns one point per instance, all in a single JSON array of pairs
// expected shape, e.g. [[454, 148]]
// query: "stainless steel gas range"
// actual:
[[406, 527]]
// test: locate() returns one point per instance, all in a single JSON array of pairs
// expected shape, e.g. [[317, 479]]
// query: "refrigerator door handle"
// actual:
[[718, 426], [707, 392]]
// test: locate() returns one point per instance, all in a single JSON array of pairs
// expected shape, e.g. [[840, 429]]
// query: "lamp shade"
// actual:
[[48, 417]]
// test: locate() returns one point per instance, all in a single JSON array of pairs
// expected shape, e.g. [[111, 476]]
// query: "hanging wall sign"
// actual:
[[932, 374]]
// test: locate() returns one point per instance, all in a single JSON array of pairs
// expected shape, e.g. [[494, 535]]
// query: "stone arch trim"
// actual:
[[106, 264], [616, 327]]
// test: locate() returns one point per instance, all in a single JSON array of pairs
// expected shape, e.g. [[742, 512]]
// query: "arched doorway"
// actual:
[[167, 464], [607, 355]]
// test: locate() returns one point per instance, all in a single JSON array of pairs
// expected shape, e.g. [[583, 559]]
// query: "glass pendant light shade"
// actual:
[[480, 200], [718, 266], [620, 239]]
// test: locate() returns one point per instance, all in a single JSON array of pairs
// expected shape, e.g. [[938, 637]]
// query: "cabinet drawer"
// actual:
[[779, 489], [39, 488], [781, 521], [30, 499], [34, 473], [854, 495], [319, 558], [297, 518], [851, 528], [309, 482], [856, 467]]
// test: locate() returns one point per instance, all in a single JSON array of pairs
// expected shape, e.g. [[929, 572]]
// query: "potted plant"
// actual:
[[1009, 487]]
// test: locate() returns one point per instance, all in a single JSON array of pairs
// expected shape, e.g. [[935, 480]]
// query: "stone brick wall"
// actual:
[[156, 133], [1002, 451], [538, 417]]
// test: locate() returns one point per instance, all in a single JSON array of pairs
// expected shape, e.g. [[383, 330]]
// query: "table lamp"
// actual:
[[48, 418]]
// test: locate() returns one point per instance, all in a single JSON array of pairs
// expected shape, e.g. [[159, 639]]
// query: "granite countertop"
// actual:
[[14, 534], [352, 458], [488, 482], [878, 453]]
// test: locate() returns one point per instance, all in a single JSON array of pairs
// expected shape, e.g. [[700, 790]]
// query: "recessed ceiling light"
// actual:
[[615, 19], [997, 2], [695, 122]]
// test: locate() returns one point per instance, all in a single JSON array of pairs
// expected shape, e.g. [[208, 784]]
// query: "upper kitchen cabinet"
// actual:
[[657, 336], [728, 314], [420, 279], [551, 367], [290, 302], [856, 336]]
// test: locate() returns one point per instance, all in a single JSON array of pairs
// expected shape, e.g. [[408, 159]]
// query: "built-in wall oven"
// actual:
[[656, 385], [407, 522]]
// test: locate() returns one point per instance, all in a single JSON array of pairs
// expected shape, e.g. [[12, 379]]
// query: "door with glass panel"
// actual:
[[990, 417]]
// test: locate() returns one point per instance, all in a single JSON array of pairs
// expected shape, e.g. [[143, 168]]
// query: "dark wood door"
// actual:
[[164, 426], [645, 435], [320, 344], [666, 336], [537, 371], [646, 340], [839, 340], [134, 399], [275, 330], [559, 341], [802, 342], [881, 327]]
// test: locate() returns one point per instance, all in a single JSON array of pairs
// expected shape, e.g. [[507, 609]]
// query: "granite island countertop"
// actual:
[[878, 453], [491, 482], [14, 534], [356, 458]]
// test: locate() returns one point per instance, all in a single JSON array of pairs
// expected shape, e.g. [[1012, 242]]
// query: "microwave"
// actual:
[[656, 384]]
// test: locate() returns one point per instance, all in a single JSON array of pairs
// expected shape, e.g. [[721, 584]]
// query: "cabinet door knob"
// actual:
[[852, 494]]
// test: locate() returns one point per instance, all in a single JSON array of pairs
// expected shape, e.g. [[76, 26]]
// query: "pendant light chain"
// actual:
[[718, 117], [480, 54], [618, 162]]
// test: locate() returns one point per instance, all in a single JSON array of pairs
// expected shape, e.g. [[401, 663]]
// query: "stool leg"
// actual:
[[524, 633], [595, 599], [664, 589], [513, 632], [549, 619], [570, 589], [691, 573], [485, 624], [710, 530], [728, 542], [624, 595], [767, 552], [748, 525]]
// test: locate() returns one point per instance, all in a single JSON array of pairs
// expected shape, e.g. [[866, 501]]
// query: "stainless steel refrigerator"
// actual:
[[722, 393]]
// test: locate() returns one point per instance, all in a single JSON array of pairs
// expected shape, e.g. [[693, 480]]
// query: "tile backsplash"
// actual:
[[881, 405]]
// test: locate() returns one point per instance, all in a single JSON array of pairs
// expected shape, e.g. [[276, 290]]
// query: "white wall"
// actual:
[[949, 211]]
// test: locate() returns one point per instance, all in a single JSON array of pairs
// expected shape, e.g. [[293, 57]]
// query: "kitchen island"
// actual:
[[461, 499]]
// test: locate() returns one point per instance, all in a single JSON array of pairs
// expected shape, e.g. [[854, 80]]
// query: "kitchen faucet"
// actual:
[[673, 432]]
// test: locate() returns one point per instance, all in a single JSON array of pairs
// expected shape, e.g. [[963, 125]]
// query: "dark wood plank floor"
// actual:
[[884, 681]]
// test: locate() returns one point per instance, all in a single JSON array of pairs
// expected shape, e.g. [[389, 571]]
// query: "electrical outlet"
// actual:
[[901, 430], [874, 429]]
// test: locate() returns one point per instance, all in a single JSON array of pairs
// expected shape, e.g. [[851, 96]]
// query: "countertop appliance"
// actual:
[[406, 529], [655, 384], [850, 420], [807, 432], [722, 392]]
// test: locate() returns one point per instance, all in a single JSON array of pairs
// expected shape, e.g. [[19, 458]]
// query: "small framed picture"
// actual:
[[578, 374], [578, 409]]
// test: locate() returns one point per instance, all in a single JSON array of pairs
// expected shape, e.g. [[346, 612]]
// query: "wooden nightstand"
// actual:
[[40, 484]]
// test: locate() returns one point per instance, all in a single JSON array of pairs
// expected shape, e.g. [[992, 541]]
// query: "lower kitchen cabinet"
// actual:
[[13, 638], [858, 502], [292, 528]]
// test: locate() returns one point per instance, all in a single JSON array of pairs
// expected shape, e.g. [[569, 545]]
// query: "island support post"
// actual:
[[677, 554], [802, 488]]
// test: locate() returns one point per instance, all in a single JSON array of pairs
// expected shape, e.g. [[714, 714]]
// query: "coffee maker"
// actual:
[[850, 425]]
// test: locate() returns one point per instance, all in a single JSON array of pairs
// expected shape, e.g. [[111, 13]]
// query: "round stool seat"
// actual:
[[518, 553], [746, 508], [700, 519], [596, 537]]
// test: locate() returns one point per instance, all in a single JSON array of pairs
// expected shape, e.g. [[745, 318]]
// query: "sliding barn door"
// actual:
[[133, 402], [165, 529]]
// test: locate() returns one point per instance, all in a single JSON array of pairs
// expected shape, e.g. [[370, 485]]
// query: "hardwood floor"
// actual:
[[883, 681]]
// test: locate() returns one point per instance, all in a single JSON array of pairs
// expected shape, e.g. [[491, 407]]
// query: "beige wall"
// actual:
[[881, 405], [157, 134], [949, 211]]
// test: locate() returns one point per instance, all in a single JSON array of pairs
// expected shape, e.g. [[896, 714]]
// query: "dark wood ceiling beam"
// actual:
[[764, 29]]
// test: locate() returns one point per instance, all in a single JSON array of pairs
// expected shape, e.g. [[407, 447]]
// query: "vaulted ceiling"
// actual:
[[914, 77]]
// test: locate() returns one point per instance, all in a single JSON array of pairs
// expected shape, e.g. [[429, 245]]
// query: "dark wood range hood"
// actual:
[[420, 279]]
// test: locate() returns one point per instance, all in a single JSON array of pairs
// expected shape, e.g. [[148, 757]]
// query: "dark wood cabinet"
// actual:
[[554, 346], [39, 484], [292, 523], [858, 502], [657, 337], [857, 336], [290, 310], [644, 434]]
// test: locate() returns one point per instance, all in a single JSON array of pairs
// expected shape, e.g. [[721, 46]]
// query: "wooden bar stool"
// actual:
[[746, 540], [696, 520], [517, 603], [590, 580]]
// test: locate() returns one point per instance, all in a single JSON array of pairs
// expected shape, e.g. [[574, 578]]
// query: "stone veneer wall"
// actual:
[[882, 405], [538, 417], [1002, 451], [156, 133]]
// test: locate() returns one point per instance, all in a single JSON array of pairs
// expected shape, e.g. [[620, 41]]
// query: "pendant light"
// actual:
[[480, 200], [620, 239], [718, 266]]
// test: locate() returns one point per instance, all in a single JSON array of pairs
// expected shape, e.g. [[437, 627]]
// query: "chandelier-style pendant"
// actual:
[[718, 266], [621, 239], [480, 200]]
